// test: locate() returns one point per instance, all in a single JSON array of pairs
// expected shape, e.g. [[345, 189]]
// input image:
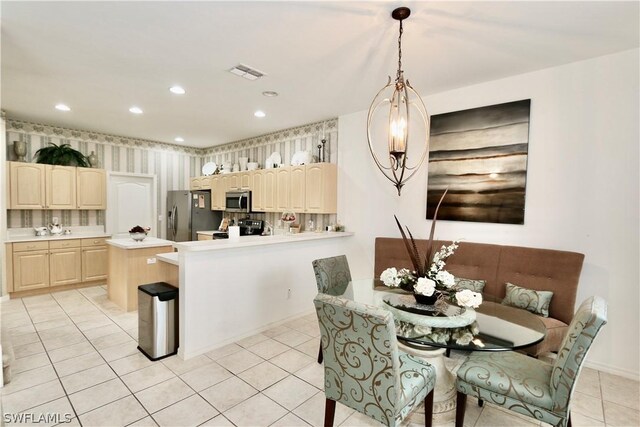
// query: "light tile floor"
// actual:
[[76, 354]]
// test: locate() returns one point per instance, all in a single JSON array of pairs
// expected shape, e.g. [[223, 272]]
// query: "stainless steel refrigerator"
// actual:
[[189, 212]]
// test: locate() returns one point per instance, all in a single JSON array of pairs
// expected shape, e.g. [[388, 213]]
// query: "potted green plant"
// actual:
[[62, 155]]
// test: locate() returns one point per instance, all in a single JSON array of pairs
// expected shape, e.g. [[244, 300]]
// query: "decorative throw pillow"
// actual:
[[534, 301], [471, 284]]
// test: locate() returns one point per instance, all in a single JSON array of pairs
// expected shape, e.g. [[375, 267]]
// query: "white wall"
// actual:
[[582, 186]]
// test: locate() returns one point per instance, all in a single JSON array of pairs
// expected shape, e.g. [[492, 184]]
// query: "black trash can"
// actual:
[[157, 320]]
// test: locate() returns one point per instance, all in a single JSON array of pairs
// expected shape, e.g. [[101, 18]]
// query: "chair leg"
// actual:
[[448, 352], [569, 420], [428, 409], [320, 353], [461, 405], [329, 412], [480, 403]]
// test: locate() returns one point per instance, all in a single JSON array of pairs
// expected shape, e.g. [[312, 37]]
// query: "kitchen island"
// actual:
[[233, 288], [132, 264]]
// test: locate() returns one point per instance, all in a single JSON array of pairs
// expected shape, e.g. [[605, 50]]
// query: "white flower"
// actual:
[[468, 298], [463, 338], [425, 287], [445, 278], [390, 277]]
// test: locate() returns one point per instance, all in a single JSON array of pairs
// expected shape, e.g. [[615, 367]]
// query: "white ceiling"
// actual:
[[323, 58]]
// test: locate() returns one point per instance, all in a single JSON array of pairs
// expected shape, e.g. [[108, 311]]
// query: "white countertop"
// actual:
[[169, 257], [247, 241], [209, 232], [129, 243], [17, 239]]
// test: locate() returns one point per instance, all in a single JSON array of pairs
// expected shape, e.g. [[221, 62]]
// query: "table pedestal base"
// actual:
[[444, 399]]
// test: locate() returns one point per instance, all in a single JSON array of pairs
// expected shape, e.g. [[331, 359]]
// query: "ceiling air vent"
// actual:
[[246, 72]]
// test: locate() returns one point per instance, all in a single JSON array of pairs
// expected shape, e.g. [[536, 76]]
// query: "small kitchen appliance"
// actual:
[[251, 227], [238, 201]]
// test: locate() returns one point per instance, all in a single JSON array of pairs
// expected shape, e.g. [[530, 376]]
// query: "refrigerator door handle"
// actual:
[[174, 222]]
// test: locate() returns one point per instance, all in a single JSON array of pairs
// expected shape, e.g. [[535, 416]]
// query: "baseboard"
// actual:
[[614, 371], [188, 355]]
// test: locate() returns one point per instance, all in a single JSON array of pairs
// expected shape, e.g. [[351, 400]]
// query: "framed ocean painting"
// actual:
[[480, 155]]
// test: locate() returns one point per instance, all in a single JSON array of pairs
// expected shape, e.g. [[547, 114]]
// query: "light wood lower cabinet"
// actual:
[[94, 263], [65, 266], [45, 265], [30, 270]]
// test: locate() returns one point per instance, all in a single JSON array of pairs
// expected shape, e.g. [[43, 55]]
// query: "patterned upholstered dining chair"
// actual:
[[332, 277], [530, 386], [363, 368]]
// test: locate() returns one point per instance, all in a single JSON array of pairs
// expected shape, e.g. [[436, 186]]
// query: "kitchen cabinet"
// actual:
[[321, 188], [232, 182], [60, 185], [92, 188], [65, 262], [218, 191], [297, 188], [269, 190], [200, 183], [244, 181], [39, 186], [257, 191], [283, 185], [55, 263], [94, 259], [30, 269], [27, 185]]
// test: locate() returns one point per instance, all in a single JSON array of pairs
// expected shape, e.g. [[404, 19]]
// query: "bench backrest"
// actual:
[[532, 268]]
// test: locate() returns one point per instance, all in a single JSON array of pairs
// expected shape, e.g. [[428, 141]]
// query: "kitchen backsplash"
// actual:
[[172, 164]]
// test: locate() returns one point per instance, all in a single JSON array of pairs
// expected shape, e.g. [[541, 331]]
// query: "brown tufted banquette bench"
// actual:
[[532, 268]]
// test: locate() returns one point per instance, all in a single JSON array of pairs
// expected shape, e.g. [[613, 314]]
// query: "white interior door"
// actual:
[[131, 202]]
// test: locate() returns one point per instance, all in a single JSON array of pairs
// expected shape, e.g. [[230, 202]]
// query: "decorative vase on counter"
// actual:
[[426, 300], [20, 148], [93, 159]]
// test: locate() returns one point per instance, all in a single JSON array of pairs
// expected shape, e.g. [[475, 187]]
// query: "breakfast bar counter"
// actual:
[[133, 263], [234, 288]]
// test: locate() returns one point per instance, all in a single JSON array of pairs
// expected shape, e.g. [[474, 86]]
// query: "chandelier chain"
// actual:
[[399, 54]]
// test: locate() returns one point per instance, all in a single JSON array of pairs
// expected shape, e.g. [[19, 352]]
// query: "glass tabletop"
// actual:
[[491, 327]]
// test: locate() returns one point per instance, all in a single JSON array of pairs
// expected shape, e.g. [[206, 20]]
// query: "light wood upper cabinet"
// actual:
[[244, 181], [232, 181], [27, 185], [298, 188], [321, 188], [283, 176], [92, 188], [257, 191], [218, 202], [269, 190], [200, 183], [60, 187]]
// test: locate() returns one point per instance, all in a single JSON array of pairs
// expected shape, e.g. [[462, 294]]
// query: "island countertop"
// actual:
[[129, 243], [249, 241]]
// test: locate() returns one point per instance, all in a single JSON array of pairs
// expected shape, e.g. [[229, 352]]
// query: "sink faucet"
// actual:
[[269, 227]]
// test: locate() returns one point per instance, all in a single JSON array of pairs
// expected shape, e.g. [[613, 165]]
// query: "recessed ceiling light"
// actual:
[[259, 113], [179, 139], [135, 110], [178, 90], [62, 107], [270, 93]]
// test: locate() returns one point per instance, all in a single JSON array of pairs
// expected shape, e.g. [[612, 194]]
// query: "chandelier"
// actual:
[[404, 98]]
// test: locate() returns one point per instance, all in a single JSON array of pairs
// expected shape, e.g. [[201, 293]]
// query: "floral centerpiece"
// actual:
[[429, 281]]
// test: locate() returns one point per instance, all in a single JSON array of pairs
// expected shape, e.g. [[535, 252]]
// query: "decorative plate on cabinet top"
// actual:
[[208, 168], [275, 158]]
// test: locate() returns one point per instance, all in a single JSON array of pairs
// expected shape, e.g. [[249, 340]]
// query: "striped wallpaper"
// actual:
[[172, 164]]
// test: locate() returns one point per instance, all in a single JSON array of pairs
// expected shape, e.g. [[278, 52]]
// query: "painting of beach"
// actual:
[[480, 155]]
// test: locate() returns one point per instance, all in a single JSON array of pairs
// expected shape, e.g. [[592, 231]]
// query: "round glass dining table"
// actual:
[[426, 331]]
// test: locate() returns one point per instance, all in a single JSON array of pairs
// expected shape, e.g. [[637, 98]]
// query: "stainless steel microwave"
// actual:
[[238, 201]]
